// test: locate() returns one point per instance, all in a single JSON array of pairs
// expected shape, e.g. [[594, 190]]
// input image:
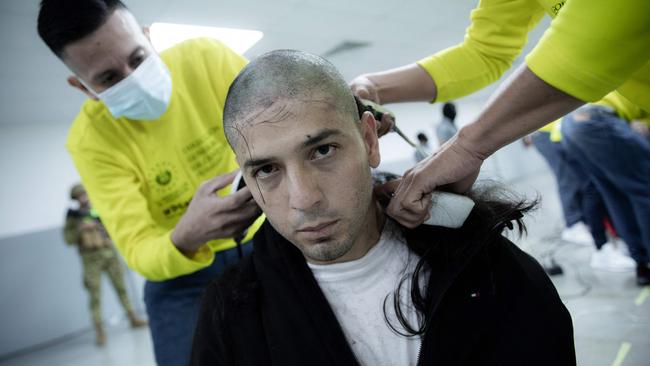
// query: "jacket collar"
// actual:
[[279, 263]]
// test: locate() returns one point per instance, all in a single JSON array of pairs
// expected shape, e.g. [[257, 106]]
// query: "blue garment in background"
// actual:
[[567, 183], [173, 308], [618, 159]]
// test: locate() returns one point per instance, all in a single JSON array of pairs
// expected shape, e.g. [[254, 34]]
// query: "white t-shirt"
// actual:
[[356, 292]]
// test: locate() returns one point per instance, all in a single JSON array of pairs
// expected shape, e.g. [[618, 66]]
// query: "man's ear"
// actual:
[[370, 138], [74, 82]]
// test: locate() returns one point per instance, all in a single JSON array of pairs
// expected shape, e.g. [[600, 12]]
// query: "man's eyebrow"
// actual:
[[249, 164], [99, 77], [320, 136], [311, 141], [135, 51]]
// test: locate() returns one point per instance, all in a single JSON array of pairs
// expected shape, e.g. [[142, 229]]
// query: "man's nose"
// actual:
[[304, 191]]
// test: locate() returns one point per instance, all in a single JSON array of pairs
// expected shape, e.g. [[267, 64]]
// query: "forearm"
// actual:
[[156, 258], [404, 84], [523, 104]]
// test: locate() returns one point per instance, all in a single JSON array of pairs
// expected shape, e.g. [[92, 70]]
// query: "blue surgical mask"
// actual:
[[143, 95]]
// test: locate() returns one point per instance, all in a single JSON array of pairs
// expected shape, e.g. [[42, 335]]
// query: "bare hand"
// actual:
[[364, 88], [453, 166], [210, 217], [385, 125]]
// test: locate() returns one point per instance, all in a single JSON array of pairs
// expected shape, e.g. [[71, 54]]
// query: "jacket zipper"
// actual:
[[420, 350]]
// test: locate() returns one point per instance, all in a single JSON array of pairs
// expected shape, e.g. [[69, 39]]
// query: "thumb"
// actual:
[[386, 124], [362, 92], [218, 182]]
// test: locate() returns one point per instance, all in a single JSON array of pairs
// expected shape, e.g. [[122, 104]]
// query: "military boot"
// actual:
[[135, 321]]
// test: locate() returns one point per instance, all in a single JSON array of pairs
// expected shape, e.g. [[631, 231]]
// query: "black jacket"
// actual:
[[490, 304]]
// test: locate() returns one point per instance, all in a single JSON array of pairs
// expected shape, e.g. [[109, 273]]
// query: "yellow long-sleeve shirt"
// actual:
[[141, 175], [624, 108], [595, 46]]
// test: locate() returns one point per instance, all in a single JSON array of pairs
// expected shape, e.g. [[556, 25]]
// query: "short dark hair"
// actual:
[[61, 22], [422, 137], [286, 74], [449, 111]]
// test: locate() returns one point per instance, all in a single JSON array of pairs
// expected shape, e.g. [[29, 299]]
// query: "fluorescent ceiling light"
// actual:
[[165, 35]]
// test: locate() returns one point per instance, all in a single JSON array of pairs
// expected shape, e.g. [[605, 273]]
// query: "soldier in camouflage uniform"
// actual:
[[84, 229]]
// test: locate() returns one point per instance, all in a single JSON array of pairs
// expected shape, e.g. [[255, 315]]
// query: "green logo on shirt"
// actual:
[[164, 177]]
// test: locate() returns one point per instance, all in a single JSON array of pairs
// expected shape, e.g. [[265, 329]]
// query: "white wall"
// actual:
[[37, 175]]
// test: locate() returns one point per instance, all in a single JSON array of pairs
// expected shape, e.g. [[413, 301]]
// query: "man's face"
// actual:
[[308, 167], [83, 199], [109, 54]]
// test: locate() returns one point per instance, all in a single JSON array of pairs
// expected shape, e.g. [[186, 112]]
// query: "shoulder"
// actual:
[[515, 268], [235, 287], [84, 127]]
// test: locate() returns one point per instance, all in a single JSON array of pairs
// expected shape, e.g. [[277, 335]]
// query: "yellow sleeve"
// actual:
[[593, 46], [497, 33], [147, 248]]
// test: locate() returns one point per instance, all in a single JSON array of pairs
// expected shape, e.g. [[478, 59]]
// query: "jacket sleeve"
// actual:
[[115, 188], [497, 33], [209, 346], [593, 47]]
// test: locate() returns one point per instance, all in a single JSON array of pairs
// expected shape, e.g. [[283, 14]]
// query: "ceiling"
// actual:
[[364, 35]]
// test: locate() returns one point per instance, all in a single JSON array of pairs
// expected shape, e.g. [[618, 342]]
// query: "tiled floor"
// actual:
[[611, 314]]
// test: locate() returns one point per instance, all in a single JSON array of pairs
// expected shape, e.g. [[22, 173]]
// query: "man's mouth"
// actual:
[[318, 230]]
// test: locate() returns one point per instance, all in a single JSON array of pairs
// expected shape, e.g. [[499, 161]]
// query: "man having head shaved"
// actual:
[[332, 280]]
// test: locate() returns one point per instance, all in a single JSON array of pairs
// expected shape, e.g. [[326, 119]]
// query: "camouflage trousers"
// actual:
[[95, 262]]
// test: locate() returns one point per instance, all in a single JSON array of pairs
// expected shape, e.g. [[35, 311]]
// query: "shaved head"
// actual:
[[284, 75], [306, 153]]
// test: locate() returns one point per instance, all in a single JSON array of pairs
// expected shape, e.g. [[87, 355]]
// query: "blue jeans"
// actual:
[[567, 183], [173, 308], [591, 202], [618, 160]]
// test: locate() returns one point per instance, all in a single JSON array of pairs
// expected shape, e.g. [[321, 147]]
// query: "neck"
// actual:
[[369, 234]]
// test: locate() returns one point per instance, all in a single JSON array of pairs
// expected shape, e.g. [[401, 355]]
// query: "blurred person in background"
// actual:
[[84, 229], [446, 128], [610, 142], [423, 150]]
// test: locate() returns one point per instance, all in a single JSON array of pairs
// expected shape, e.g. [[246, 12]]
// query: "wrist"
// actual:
[[182, 245], [472, 139], [404, 84]]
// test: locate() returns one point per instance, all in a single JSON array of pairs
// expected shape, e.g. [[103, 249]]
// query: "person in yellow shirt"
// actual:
[[578, 60], [150, 150]]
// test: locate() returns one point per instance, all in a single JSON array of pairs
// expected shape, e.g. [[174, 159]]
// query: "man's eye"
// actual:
[[136, 61], [324, 151], [109, 80], [264, 171]]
